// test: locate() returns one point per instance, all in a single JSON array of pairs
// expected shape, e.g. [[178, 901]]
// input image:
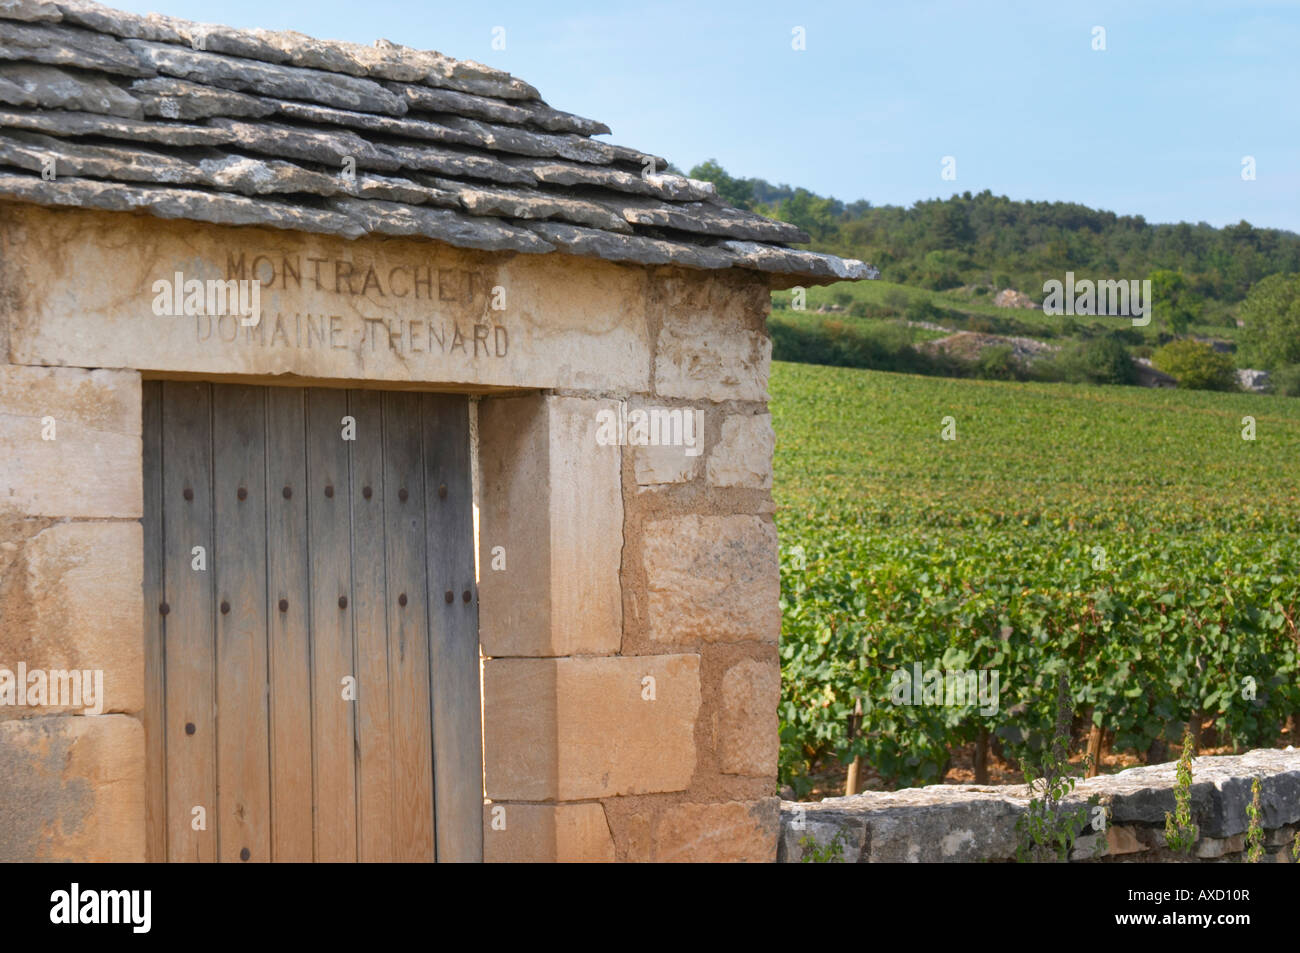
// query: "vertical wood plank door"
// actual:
[[311, 693]]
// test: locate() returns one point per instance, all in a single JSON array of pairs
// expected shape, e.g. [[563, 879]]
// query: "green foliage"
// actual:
[[960, 308], [1254, 829], [940, 270], [1174, 304], [1271, 314], [737, 192], [923, 309], [1285, 381], [997, 364], [1101, 360], [880, 346], [1180, 831], [982, 554], [1196, 365], [1295, 849], [1024, 244], [814, 214], [829, 853], [1046, 826], [952, 227]]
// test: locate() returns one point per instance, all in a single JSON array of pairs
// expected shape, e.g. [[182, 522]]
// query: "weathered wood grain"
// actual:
[[329, 541], [239, 573], [408, 639], [288, 629], [191, 726], [453, 629], [155, 682], [374, 749]]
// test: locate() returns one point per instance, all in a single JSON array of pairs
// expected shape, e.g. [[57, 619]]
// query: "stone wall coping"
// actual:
[[977, 822]]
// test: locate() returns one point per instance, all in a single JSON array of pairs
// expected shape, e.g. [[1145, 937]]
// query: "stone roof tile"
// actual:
[[260, 127]]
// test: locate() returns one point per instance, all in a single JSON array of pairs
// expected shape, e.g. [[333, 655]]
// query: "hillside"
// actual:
[[944, 262], [995, 242]]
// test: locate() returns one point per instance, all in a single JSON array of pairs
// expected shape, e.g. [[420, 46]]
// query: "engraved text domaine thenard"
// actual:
[[457, 288]]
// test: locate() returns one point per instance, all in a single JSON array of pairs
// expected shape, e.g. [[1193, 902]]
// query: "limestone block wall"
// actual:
[[71, 783], [632, 677]]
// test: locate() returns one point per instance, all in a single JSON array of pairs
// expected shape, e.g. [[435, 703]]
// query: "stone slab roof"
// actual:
[[256, 127]]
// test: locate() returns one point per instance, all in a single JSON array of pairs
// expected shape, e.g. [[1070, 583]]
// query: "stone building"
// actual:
[[385, 464]]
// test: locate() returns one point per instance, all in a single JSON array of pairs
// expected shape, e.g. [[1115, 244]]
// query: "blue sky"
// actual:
[[1157, 124]]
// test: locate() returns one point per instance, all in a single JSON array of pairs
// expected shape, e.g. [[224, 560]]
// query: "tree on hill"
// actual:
[[952, 226], [1101, 360], [1174, 303], [810, 212], [1196, 365], [1271, 314], [737, 192]]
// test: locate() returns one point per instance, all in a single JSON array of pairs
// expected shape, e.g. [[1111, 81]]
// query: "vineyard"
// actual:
[[1130, 538]]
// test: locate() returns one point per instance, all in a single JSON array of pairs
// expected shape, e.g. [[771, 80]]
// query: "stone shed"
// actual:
[[385, 464]]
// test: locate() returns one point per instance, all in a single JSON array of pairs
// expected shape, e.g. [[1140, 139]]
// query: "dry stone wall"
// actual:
[[968, 823]]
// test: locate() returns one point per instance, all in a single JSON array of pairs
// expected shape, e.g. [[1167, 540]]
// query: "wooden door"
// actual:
[[312, 663]]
